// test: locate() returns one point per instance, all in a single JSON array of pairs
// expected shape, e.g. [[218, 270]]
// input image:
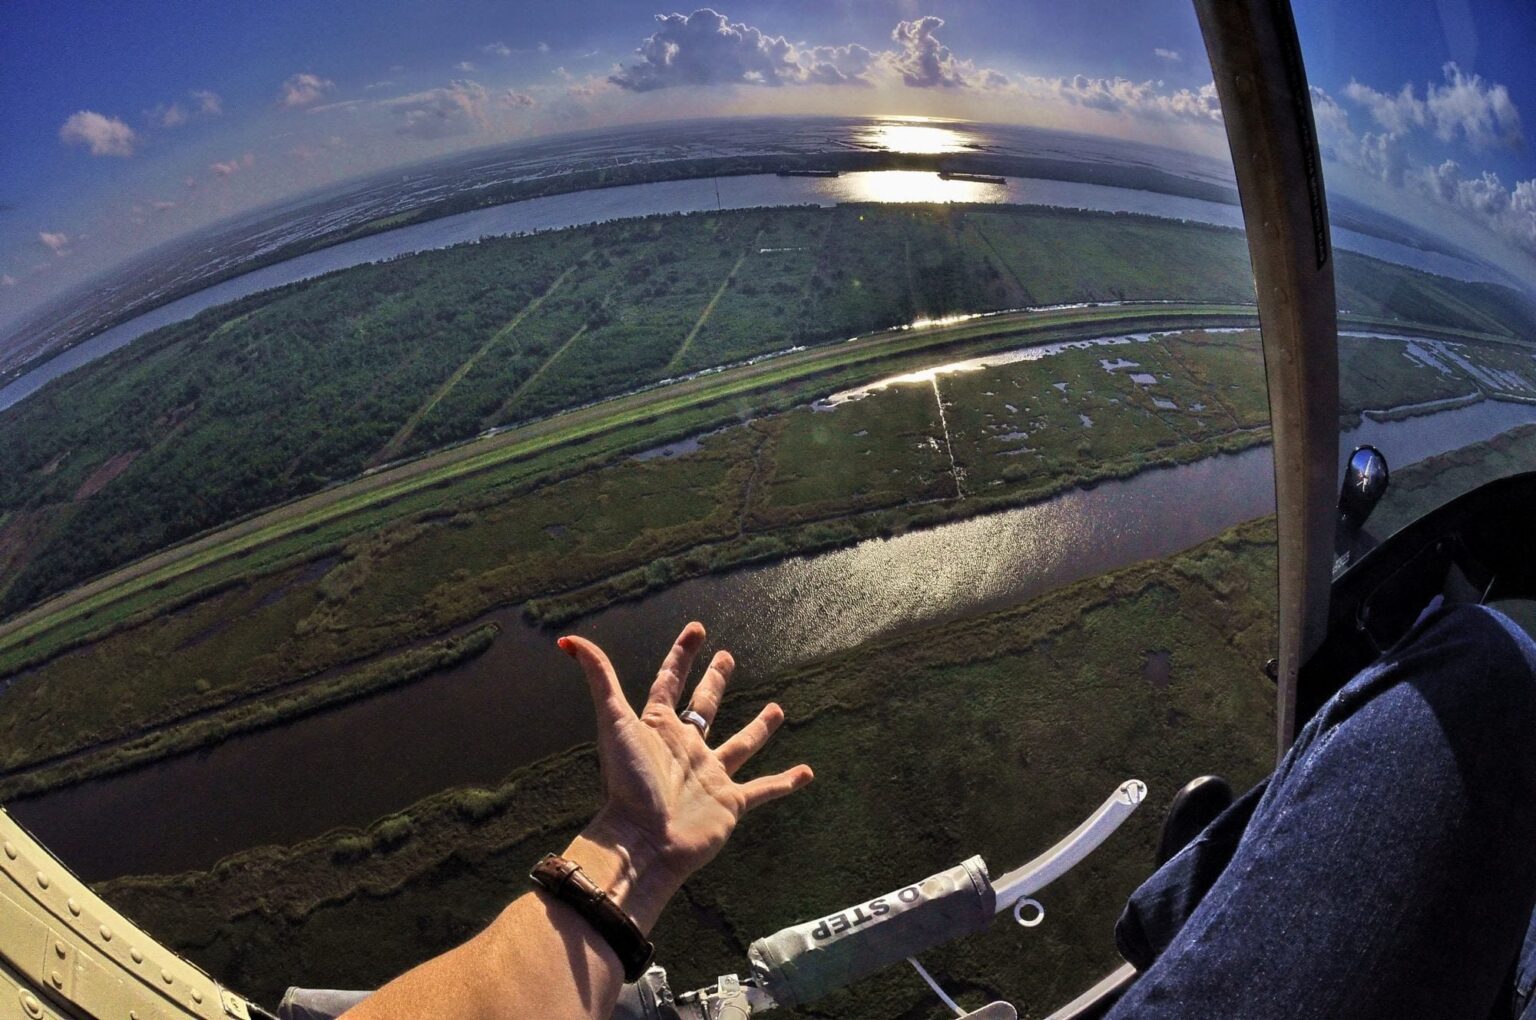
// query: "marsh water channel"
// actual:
[[522, 700]]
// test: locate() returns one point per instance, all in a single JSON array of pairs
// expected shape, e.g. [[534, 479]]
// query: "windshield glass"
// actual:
[[352, 352], [1432, 197]]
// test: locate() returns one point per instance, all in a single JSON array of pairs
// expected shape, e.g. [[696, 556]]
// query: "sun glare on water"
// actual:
[[916, 135], [911, 186]]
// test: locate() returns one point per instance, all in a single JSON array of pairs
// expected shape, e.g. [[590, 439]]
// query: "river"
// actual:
[[744, 192], [522, 700]]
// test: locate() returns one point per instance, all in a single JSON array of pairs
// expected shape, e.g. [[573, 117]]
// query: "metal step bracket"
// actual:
[[1015, 888]]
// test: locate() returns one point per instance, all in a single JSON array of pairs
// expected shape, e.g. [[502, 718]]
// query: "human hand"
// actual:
[[671, 800]]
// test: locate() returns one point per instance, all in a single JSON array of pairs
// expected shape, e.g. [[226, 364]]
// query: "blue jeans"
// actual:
[[1387, 868]]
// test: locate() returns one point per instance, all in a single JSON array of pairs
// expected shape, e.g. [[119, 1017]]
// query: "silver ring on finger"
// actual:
[[693, 718]]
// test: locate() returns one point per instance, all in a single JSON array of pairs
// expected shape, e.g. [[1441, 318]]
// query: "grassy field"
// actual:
[[284, 393], [1012, 430], [755, 491], [1047, 707], [583, 438]]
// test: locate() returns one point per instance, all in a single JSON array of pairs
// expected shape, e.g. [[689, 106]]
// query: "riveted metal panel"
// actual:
[[67, 947]]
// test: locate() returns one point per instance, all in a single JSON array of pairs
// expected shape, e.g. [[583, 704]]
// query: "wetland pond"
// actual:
[[523, 700]]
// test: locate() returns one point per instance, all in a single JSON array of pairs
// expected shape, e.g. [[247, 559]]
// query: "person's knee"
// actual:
[[1476, 670]]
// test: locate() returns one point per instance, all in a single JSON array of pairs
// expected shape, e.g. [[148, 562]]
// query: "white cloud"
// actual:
[[303, 89], [1138, 99], [1482, 197], [345, 104], [1510, 212], [543, 47], [838, 65], [706, 48], [458, 109], [1330, 117], [167, 116], [106, 136], [56, 243], [160, 206], [923, 61], [497, 49], [229, 168], [1397, 113], [1464, 105], [466, 66], [1172, 56], [7, 280], [209, 103], [378, 85], [517, 100]]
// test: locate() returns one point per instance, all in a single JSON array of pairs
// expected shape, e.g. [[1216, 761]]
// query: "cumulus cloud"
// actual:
[[1397, 113], [838, 65], [106, 136], [543, 47], [1462, 106], [1510, 212], [170, 115], [167, 116], [707, 48], [303, 89], [56, 243], [457, 109], [1172, 56], [228, 168], [517, 100], [1139, 99], [497, 49], [209, 103], [1329, 116], [7, 280], [921, 60], [465, 65]]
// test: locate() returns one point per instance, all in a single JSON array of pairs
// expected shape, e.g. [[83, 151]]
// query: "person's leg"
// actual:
[[1388, 869]]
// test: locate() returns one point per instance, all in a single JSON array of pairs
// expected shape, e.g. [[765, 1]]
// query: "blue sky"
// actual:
[[128, 124]]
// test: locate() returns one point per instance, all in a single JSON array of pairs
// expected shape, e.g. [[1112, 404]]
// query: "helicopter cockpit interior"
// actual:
[[1048, 405]]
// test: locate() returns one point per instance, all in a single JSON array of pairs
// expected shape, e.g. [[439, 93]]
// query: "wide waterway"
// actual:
[[522, 700], [751, 191]]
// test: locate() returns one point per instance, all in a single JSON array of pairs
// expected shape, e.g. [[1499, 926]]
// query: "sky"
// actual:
[[127, 125]]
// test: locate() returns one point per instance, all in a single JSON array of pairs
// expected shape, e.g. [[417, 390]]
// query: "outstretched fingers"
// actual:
[[760, 791], [674, 669], [706, 696], [748, 740], [607, 695]]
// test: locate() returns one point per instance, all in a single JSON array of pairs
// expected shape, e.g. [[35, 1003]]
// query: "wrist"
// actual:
[[629, 868]]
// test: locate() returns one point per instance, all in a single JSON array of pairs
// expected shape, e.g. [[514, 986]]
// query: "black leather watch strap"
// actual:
[[566, 882]]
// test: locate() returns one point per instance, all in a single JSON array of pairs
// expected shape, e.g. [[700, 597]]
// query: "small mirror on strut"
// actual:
[[1365, 482]]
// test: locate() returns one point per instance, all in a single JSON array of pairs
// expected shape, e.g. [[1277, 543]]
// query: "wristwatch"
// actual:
[[566, 882]]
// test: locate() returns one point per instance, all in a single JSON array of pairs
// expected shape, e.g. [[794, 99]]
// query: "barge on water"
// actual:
[[946, 175]]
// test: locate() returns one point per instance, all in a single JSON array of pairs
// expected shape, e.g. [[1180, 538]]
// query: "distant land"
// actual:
[[586, 160]]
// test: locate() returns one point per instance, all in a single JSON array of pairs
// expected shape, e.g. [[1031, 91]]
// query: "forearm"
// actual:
[[539, 957]]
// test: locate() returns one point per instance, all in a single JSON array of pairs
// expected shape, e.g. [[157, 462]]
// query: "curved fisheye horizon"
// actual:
[[1000, 384], [185, 149]]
